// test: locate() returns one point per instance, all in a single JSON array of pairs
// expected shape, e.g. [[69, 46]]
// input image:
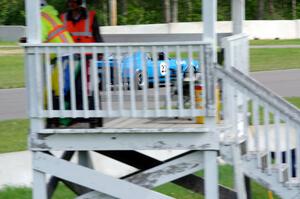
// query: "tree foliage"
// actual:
[[154, 11], [12, 12]]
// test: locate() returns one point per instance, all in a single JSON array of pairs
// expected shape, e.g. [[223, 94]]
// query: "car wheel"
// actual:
[[139, 80]]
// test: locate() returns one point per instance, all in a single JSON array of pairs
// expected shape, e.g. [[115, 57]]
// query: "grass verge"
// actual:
[[8, 43], [62, 192], [274, 59], [11, 71], [13, 135]]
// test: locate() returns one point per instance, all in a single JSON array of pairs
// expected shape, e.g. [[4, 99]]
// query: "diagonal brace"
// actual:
[[92, 179]]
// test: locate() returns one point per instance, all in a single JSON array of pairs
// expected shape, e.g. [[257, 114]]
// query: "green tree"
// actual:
[[12, 12]]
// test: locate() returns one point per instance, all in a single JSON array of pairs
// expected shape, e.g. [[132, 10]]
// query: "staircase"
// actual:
[[264, 141]]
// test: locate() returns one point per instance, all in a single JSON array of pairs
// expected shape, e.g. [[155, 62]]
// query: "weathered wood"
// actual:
[[126, 141], [93, 179], [169, 171], [143, 162]]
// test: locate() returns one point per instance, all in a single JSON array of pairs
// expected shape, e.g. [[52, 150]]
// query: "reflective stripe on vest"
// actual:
[[60, 29], [87, 34], [57, 30]]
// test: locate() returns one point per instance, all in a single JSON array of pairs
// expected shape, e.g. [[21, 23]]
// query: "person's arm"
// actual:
[[96, 31]]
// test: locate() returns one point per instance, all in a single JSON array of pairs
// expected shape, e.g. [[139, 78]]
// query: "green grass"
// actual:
[[275, 42], [294, 100], [26, 193], [11, 71], [8, 43], [274, 59], [226, 179], [13, 135], [64, 193], [15, 192]]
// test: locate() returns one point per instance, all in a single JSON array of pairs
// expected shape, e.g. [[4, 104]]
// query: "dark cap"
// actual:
[[79, 2]]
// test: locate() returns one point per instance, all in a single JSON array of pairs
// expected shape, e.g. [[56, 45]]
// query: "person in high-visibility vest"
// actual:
[[54, 31], [84, 28], [81, 23]]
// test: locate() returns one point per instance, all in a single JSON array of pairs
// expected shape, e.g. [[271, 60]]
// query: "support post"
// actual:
[[39, 182], [84, 159], [211, 175], [237, 15], [209, 10]]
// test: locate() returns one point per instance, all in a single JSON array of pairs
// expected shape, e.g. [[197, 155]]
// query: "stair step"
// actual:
[[262, 158], [283, 173], [293, 183]]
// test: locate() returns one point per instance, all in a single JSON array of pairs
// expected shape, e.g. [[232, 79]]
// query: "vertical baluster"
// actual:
[[156, 83], [84, 81], [145, 81], [39, 81], [107, 81], [202, 76], [95, 80], [179, 81], [278, 159], [72, 74], [60, 82], [120, 79], [267, 137], [297, 150], [192, 79], [31, 83], [288, 148], [235, 116], [49, 83], [167, 83], [256, 130], [114, 71], [132, 74], [246, 119]]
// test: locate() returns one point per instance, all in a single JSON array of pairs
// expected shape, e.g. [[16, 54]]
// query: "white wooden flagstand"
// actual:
[[204, 141]]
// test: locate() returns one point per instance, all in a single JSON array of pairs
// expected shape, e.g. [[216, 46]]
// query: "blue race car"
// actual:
[[140, 58]]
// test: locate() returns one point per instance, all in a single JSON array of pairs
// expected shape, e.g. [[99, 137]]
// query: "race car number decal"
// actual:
[[163, 68]]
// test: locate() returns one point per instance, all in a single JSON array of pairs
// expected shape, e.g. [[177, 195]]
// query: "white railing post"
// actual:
[[209, 10], [33, 21], [237, 15]]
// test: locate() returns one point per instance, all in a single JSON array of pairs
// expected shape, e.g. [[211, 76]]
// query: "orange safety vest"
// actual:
[[81, 31]]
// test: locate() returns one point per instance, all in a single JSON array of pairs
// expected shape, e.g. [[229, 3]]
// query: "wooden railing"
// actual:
[[117, 80]]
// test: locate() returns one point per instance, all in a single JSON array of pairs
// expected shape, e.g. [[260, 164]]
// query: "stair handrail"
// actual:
[[256, 88]]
